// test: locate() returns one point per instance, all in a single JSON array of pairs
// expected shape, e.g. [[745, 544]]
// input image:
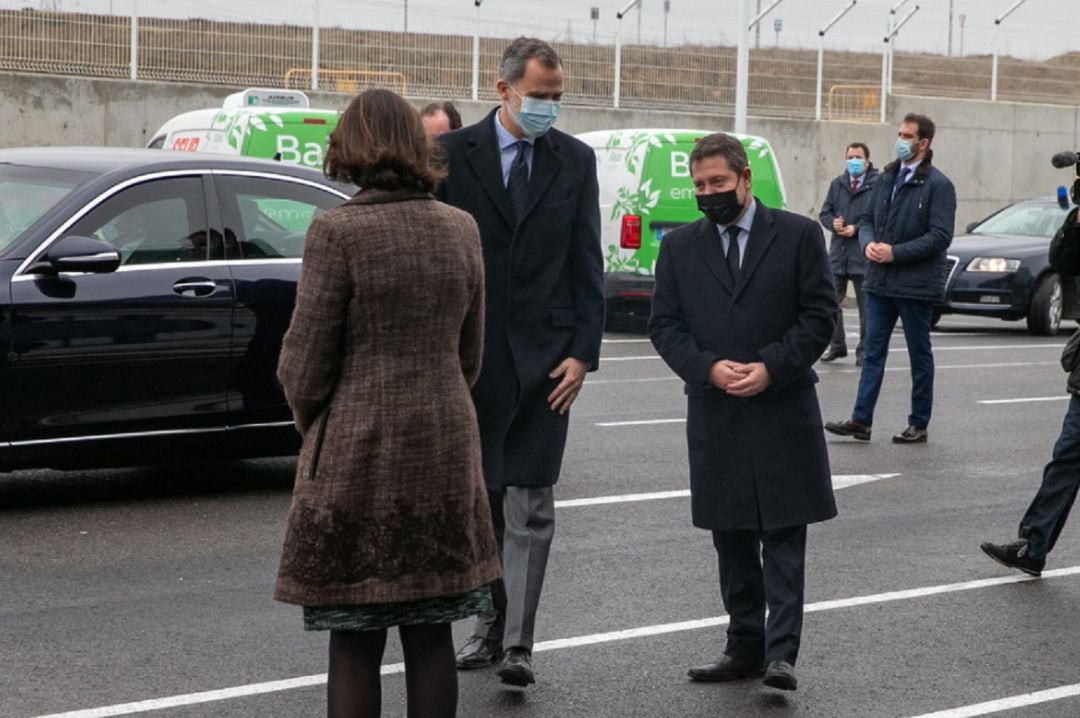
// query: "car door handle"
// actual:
[[195, 287]]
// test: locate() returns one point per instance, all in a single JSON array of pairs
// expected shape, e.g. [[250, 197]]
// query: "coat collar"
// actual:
[[709, 246], [922, 170], [484, 155]]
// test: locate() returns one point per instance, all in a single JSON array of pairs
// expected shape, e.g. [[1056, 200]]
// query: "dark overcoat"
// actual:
[[760, 462], [845, 253], [545, 296], [389, 502]]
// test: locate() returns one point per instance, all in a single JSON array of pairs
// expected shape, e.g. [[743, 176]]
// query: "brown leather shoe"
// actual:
[[728, 668], [910, 435], [848, 428]]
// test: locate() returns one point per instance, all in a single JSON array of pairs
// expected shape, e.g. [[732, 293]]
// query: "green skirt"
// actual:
[[380, 616]]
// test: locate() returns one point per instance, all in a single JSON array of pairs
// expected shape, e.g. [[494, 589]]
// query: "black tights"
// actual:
[[354, 686]]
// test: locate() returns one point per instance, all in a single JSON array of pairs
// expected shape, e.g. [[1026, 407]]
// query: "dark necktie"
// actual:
[[733, 253], [854, 185], [517, 184], [901, 178]]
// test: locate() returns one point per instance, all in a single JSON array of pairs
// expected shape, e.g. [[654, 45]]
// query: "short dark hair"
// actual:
[[446, 107], [925, 124], [859, 146], [724, 145], [380, 143], [518, 53]]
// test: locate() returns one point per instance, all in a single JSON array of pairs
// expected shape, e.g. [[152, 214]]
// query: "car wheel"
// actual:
[[1044, 313]]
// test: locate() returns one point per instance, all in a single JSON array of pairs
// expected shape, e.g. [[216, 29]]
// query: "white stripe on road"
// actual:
[[574, 642], [1004, 704], [626, 341], [839, 481], [1028, 399], [641, 422], [967, 348]]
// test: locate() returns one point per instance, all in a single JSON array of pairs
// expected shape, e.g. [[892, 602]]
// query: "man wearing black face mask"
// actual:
[[743, 306]]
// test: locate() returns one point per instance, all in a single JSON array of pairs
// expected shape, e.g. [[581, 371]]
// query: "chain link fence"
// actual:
[[285, 50]]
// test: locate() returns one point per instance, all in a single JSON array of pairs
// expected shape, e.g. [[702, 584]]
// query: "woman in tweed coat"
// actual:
[[389, 523]]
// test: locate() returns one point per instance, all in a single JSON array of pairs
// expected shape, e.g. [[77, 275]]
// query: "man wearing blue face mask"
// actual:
[[905, 233], [847, 197], [533, 192]]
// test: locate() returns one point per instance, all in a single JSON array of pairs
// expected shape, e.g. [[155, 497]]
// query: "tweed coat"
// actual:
[[544, 274], [389, 502], [756, 463]]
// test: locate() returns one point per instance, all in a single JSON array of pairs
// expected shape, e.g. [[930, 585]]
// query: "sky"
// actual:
[[1038, 29]]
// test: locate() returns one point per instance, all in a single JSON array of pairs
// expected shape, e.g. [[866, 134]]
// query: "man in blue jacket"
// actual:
[[904, 234], [848, 196]]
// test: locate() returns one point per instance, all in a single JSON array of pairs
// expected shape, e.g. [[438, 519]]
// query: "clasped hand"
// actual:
[[738, 379], [879, 252]]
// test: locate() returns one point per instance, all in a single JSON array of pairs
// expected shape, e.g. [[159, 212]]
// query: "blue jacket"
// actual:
[[846, 256], [918, 222]]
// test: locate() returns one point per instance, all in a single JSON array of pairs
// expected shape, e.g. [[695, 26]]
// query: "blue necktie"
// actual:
[[517, 184], [901, 178]]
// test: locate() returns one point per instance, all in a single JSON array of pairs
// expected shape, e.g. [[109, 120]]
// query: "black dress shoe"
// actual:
[[517, 667], [780, 674], [479, 652], [833, 354], [910, 435], [1013, 555], [848, 428], [727, 668]]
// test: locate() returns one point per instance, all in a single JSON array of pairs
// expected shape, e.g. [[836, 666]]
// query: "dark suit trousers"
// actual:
[[1046, 516], [759, 569], [838, 344]]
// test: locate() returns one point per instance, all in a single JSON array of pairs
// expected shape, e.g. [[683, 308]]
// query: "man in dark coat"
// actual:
[[534, 195], [905, 233], [1049, 509], [844, 203], [743, 306]]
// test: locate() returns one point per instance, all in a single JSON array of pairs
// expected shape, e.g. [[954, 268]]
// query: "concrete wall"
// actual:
[[994, 152]]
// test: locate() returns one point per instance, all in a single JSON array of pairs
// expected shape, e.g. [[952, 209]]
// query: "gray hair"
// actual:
[[517, 55], [726, 146]]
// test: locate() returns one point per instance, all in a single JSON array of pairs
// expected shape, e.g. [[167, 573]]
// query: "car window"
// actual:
[[27, 193], [268, 218], [1025, 219], [154, 222]]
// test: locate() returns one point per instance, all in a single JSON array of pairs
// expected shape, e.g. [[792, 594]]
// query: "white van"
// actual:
[[646, 190], [257, 122]]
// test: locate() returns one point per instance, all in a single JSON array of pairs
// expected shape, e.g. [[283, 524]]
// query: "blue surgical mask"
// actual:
[[903, 150], [536, 116], [856, 166]]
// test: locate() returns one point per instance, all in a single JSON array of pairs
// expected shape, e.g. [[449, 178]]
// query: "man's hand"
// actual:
[[573, 373], [879, 252], [723, 372], [754, 379], [837, 224], [848, 231]]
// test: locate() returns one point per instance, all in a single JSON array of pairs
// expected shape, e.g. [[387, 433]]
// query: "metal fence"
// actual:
[[313, 46]]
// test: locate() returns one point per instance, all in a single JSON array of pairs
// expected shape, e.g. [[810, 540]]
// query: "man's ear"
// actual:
[[503, 88]]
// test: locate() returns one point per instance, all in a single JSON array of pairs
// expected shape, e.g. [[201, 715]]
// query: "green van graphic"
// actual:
[[645, 191]]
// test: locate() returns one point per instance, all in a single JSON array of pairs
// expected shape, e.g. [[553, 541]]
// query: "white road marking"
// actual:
[[641, 422], [1028, 399], [1004, 704], [626, 341], [589, 640], [966, 348], [839, 481]]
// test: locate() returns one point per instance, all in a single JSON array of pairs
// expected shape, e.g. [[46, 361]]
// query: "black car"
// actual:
[[145, 299], [1000, 268]]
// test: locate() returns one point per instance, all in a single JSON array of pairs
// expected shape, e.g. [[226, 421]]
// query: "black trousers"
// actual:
[[838, 343], [760, 569]]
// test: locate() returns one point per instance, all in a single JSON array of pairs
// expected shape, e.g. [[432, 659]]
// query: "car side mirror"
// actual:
[[82, 254], [971, 227]]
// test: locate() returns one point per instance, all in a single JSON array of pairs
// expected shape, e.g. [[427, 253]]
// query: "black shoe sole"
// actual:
[[1037, 573], [783, 683], [726, 676], [515, 677], [898, 440], [857, 435]]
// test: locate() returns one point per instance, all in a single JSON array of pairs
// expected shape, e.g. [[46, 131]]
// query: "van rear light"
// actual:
[[630, 236], [314, 121]]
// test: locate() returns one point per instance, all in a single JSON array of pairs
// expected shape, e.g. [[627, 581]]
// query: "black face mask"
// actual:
[[720, 207]]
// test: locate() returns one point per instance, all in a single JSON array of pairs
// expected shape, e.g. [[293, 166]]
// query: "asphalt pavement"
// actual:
[[148, 591]]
